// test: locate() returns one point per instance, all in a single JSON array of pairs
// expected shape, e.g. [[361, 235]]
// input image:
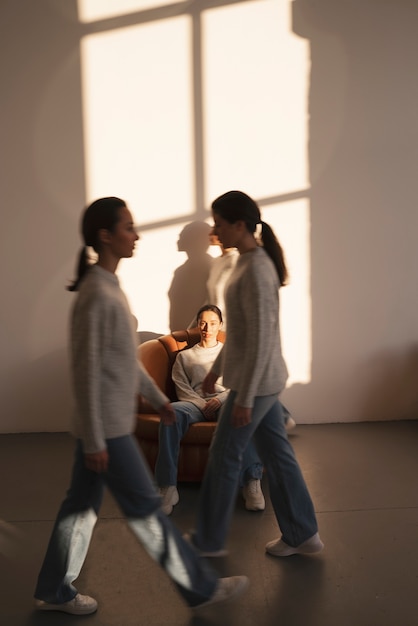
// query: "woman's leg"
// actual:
[[169, 438], [220, 483], [288, 492], [130, 481], [71, 534]]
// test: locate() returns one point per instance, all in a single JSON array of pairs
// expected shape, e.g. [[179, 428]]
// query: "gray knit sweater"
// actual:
[[190, 369], [251, 361], [105, 371]]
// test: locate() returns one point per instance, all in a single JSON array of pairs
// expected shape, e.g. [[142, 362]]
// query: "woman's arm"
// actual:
[[88, 336], [150, 390]]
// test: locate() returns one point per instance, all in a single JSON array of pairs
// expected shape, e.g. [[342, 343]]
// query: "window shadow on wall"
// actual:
[[362, 154]]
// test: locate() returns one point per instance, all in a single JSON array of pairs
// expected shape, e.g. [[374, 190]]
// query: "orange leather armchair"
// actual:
[[158, 356]]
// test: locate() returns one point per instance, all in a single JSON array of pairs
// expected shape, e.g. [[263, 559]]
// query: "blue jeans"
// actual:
[[130, 482], [289, 495], [286, 413], [169, 439]]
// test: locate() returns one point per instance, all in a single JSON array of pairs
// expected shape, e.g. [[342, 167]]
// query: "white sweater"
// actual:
[[190, 369], [105, 371], [251, 361]]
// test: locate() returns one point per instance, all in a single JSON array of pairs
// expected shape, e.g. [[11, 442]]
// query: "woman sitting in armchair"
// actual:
[[189, 371]]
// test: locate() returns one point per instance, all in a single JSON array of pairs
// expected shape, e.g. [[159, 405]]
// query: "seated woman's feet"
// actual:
[[253, 496], [170, 497], [289, 424]]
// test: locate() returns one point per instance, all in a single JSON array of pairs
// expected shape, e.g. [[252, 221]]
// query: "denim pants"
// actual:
[[169, 439], [130, 482], [289, 495]]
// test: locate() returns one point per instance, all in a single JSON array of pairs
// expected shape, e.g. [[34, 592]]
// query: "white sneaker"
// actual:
[[170, 497], [289, 424], [80, 605], [253, 496], [227, 589], [280, 548]]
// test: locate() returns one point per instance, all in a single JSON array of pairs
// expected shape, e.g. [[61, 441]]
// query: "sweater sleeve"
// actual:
[[90, 325], [259, 312], [150, 390]]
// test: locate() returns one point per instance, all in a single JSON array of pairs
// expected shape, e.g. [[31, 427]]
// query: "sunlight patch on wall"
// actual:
[[255, 75], [147, 277], [91, 10], [139, 135], [255, 94], [291, 223], [137, 108]]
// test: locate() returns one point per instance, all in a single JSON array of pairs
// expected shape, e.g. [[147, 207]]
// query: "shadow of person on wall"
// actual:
[[188, 287]]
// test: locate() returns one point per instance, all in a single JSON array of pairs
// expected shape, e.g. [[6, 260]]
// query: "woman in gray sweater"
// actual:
[[107, 378], [253, 368]]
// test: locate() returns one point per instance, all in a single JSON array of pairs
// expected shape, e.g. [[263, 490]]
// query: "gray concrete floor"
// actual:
[[363, 480]]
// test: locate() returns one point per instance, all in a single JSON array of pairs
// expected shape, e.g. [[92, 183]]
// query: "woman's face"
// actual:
[[224, 231], [124, 236], [209, 325]]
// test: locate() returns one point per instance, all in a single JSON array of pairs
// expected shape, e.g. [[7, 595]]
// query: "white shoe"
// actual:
[[227, 589], [253, 496], [289, 424], [170, 497], [310, 546], [80, 605]]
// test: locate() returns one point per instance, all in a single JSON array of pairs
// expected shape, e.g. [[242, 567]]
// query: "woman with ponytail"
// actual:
[[107, 378], [253, 368]]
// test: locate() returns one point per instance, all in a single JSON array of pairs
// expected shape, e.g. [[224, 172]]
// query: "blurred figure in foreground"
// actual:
[[107, 378]]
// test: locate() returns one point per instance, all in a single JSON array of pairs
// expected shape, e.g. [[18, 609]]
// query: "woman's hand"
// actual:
[[208, 385], [211, 408], [97, 461], [167, 414], [241, 416]]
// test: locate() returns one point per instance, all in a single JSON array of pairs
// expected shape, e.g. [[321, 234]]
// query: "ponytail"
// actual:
[[274, 250], [82, 268]]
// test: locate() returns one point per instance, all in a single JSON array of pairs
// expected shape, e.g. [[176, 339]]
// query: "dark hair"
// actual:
[[233, 206], [209, 307], [101, 214]]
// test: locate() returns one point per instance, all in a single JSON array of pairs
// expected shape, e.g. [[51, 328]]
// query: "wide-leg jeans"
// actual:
[[130, 482], [169, 438], [289, 495]]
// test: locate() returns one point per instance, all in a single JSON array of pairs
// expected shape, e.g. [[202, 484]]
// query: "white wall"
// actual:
[[361, 151]]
